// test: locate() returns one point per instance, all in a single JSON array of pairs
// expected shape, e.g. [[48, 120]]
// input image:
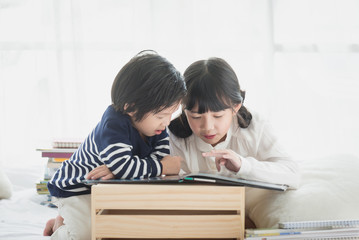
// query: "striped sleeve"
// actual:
[[124, 164]]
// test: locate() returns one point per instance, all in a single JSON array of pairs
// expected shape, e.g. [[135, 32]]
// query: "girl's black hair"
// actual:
[[147, 83], [214, 86]]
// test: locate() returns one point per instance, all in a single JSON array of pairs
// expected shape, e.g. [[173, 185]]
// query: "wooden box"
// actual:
[[158, 211]]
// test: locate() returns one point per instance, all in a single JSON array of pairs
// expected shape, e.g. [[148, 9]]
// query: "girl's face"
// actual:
[[211, 127], [154, 123]]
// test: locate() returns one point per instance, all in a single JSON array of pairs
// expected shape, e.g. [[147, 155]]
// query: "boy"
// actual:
[[130, 141]]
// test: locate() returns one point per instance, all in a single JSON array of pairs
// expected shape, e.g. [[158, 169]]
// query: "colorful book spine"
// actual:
[[272, 234], [41, 187], [263, 232], [57, 155], [60, 159], [310, 233]]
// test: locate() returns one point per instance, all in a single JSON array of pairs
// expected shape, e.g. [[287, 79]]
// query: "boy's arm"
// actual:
[[118, 157], [171, 165], [100, 172]]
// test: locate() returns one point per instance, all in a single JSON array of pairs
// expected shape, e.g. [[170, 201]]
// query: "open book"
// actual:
[[204, 178]]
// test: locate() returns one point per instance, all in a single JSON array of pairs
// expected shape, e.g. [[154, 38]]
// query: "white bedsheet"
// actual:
[[22, 216]]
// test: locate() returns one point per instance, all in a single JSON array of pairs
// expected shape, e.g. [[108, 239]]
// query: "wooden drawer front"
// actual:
[[168, 226], [198, 197]]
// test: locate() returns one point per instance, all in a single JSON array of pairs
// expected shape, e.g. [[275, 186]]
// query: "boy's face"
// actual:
[[154, 123]]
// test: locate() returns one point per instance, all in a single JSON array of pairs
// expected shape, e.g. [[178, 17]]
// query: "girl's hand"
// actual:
[[225, 157], [171, 165], [101, 172]]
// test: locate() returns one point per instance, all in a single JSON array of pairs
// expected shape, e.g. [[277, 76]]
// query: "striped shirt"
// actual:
[[117, 144]]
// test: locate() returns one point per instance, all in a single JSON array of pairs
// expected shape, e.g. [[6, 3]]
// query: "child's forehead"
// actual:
[[210, 106], [170, 110], [195, 110]]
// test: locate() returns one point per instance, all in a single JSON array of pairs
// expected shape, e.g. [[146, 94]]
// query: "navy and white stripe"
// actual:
[[118, 145]]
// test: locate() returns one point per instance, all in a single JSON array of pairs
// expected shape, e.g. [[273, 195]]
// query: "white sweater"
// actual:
[[263, 159]]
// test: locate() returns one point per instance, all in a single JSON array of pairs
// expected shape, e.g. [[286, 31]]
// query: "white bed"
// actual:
[[22, 216], [329, 191]]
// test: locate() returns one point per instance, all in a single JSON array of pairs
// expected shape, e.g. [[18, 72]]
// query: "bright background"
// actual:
[[298, 60]]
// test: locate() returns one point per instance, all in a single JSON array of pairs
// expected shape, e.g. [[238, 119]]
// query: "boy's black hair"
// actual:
[[213, 85], [147, 83]]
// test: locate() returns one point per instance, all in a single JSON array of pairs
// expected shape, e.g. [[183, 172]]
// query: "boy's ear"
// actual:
[[236, 108], [131, 114], [125, 107]]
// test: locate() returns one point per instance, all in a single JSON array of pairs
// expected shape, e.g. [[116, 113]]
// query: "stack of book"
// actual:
[[55, 157], [61, 151], [333, 229]]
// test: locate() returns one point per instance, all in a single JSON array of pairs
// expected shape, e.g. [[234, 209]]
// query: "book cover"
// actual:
[[57, 150], [228, 180], [203, 178]]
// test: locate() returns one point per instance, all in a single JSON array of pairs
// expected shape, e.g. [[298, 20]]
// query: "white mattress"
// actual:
[[22, 216]]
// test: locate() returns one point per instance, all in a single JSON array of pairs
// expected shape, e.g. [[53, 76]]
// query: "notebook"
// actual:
[[319, 224], [66, 143]]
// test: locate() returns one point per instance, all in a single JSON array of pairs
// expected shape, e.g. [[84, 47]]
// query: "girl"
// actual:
[[215, 131], [130, 141]]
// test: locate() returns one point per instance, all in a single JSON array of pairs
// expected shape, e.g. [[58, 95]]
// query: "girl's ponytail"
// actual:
[[244, 116], [180, 127]]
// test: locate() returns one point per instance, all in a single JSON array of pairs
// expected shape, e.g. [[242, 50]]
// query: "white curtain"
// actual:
[[296, 59], [316, 74]]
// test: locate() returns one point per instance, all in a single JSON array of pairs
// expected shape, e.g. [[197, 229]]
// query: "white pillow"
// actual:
[[329, 190], [5, 185]]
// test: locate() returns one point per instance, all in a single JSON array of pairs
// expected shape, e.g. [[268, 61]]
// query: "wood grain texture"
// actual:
[[167, 211]]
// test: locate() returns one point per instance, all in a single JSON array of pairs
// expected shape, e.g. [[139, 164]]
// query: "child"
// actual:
[[130, 141], [215, 132]]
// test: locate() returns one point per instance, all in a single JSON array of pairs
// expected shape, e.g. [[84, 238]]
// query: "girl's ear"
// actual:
[[236, 108]]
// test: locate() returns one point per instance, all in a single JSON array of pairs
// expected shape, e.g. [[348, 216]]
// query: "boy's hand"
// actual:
[[101, 172], [171, 165], [225, 157]]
